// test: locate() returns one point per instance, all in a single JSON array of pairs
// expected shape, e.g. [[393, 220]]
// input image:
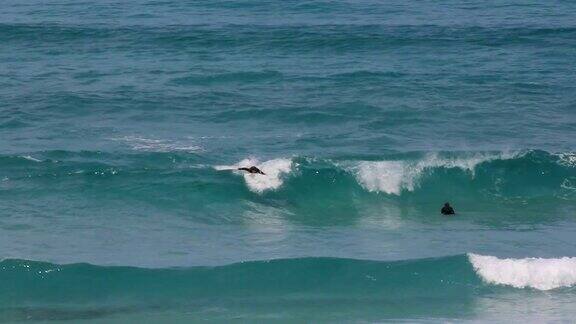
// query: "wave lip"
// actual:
[[392, 177], [274, 170], [537, 273], [387, 176]]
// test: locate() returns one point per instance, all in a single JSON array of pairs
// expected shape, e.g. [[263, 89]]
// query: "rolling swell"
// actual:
[[527, 174], [360, 113], [316, 277], [37, 289], [346, 37], [530, 174], [44, 291], [488, 187]]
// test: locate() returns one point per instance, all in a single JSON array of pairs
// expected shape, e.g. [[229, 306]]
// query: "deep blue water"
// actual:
[[121, 123]]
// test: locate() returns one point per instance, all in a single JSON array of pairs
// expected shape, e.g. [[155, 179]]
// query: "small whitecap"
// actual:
[[138, 143], [30, 158]]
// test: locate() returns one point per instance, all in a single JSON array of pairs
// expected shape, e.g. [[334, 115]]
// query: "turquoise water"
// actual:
[[121, 124]]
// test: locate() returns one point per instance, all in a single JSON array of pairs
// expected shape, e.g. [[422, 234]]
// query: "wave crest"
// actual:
[[272, 179], [537, 273], [392, 177]]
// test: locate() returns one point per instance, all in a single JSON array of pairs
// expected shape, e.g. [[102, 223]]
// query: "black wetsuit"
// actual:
[[252, 169], [447, 210]]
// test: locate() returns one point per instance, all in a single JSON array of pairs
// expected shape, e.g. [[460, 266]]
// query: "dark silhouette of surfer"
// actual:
[[252, 170], [447, 210]]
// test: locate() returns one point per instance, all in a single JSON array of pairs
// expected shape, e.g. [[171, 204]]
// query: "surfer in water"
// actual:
[[252, 170], [447, 210]]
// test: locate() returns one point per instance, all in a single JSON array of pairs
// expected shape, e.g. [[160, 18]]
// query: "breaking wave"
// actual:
[[513, 174], [392, 177], [436, 175], [274, 171], [45, 291], [537, 273], [312, 277]]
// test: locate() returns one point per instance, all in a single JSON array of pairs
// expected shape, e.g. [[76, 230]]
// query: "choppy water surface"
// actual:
[[121, 124]]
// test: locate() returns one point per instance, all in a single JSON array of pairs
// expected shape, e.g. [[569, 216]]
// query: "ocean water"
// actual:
[[122, 124]]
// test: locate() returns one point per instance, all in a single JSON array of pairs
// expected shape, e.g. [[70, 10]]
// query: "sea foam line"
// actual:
[[157, 145], [30, 158]]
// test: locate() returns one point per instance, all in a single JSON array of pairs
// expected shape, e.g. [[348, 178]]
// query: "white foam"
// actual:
[[274, 170], [392, 177], [158, 145], [537, 273], [385, 176], [29, 158], [567, 159], [569, 184]]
